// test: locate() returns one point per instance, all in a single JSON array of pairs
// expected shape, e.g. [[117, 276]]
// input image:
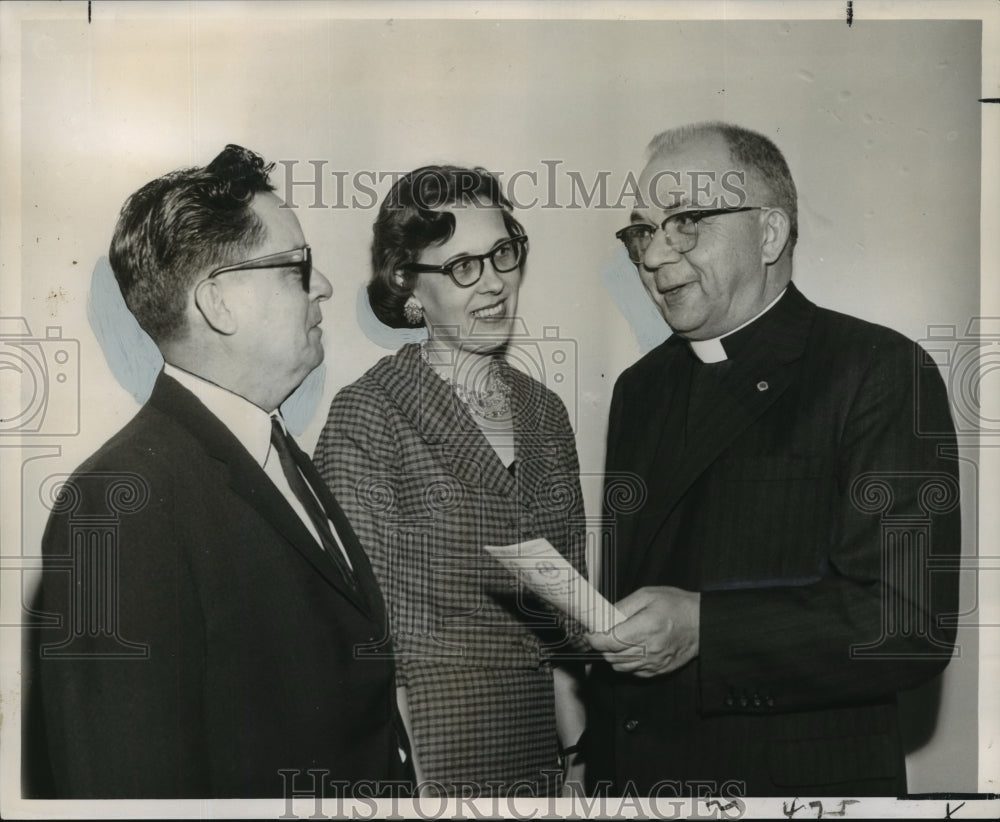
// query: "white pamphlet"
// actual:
[[548, 573]]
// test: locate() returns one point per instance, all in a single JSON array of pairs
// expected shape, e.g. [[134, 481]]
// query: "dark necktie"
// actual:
[[284, 446]]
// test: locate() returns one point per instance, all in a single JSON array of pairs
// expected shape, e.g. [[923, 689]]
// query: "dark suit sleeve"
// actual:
[[121, 678], [605, 573], [870, 625], [356, 456]]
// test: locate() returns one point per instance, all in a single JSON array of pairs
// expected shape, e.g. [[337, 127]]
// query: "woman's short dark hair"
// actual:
[[173, 228], [411, 218]]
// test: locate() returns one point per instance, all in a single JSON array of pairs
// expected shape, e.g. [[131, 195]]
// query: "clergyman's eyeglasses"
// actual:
[[680, 230]]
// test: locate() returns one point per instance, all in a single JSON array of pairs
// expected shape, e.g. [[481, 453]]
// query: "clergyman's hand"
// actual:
[[659, 635]]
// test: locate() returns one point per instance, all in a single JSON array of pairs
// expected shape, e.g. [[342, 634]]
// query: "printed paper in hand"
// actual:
[[547, 572]]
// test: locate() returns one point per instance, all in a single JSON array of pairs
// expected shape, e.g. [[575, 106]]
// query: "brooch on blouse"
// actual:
[[489, 395]]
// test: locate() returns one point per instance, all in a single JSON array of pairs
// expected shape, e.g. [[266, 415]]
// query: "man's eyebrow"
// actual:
[[680, 203], [638, 217]]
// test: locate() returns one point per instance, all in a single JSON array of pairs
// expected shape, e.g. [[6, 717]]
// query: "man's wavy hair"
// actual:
[[751, 152], [411, 219], [175, 228]]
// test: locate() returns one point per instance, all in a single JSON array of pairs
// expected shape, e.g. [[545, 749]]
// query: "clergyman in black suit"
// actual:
[[786, 573], [223, 638]]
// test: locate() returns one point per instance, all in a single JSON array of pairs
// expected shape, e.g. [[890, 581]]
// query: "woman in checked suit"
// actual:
[[444, 448]]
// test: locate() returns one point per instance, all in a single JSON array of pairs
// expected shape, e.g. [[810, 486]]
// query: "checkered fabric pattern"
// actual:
[[484, 724], [425, 491]]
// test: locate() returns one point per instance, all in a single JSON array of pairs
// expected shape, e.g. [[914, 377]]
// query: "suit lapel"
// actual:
[[761, 372], [246, 478], [444, 423], [651, 446], [656, 408], [536, 451]]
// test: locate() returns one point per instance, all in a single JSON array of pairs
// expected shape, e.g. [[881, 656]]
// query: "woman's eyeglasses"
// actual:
[[466, 271]]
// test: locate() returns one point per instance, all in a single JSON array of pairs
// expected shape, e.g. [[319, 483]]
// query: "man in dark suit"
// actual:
[[788, 569], [212, 643]]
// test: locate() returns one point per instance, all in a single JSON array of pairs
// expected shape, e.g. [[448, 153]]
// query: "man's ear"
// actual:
[[777, 227], [211, 304]]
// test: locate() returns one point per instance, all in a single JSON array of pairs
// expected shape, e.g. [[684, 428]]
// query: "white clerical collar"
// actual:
[[712, 350], [250, 424]]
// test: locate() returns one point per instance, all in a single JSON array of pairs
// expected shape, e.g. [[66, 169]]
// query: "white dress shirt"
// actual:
[[251, 425]]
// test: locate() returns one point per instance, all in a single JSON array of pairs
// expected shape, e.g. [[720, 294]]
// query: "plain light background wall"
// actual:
[[879, 122]]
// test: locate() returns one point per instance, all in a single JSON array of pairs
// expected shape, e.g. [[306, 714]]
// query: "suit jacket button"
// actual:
[[631, 724]]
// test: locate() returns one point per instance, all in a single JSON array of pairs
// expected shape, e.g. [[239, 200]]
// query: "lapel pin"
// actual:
[[762, 386]]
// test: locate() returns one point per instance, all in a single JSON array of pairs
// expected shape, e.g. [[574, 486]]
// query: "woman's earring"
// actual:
[[413, 311]]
